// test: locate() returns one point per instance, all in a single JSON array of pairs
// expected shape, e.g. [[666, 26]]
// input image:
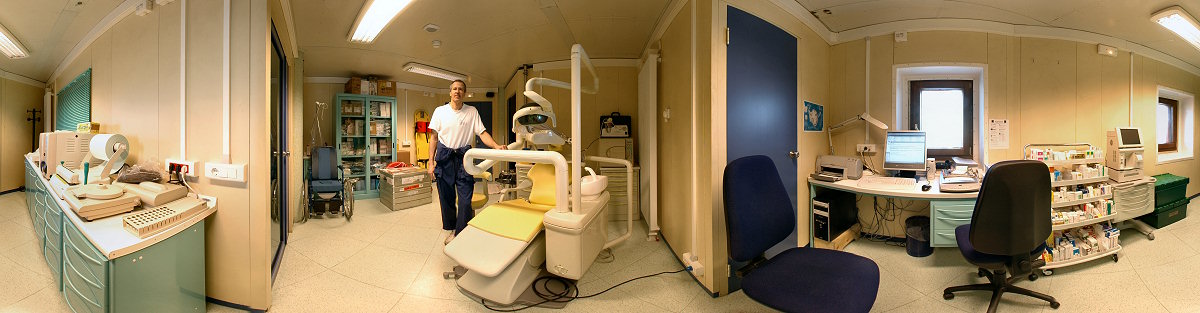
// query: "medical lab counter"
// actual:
[[101, 267]]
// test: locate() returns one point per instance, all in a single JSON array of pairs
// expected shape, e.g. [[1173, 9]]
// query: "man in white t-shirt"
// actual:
[[454, 126]]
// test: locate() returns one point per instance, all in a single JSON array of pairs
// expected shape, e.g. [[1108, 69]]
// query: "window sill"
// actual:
[[1172, 157]]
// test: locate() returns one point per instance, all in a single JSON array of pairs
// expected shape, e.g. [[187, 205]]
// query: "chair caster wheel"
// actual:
[[1047, 272], [981, 273], [947, 296], [1054, 305], [1033, 276], [1115, 258]]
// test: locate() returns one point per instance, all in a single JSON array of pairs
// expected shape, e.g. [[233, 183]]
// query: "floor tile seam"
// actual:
[[26, 297], [1161, 304], [904, 304], [28, 269], [323, 270], [335, 270]]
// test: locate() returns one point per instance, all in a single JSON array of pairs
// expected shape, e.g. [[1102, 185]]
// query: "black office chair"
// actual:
[[758, 215], [1008, 229]]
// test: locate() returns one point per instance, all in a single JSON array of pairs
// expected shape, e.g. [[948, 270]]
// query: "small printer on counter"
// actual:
[[834, 168]]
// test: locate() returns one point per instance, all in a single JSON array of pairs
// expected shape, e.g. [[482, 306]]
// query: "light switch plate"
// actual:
[[227, 172]]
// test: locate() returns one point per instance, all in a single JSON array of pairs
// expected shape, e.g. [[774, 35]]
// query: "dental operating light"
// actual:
[[375, 16], [1180, 22], [10, 46], [418, 68]]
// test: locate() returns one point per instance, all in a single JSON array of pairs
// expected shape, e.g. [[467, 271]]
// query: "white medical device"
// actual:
[[62, 148], [1124, 154], [498, 268], [111, 149]]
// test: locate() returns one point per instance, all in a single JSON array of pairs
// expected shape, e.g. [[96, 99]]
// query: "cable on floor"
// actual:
[[567, 292]]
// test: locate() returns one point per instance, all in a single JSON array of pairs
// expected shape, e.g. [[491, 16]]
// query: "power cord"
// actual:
[[568, 290]]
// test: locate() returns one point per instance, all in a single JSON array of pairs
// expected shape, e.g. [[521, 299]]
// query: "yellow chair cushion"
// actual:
[[510, 221], [478, 200], [542, 176]]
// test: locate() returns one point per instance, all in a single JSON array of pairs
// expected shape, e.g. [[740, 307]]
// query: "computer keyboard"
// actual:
[[889, 183]]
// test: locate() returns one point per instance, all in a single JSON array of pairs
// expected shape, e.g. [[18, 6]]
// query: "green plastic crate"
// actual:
[[1169, 188], [1167, 214]]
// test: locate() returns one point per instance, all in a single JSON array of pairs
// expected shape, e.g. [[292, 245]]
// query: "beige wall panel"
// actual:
[[102, 75], [134, 84], [1014, 99], [995, 95], [1089, 111], [167, 99], [674, 134], [1048, 90], [1114, 91], [882, 104], [314, 93], [16, 134], [942, 46]]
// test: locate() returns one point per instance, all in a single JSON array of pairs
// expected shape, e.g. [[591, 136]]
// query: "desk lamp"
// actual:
[[860, 117]]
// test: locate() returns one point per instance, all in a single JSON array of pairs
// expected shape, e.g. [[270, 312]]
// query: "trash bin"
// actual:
[[916, 231]]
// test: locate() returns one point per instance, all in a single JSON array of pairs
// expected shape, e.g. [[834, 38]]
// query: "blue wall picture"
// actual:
[[814, 117]]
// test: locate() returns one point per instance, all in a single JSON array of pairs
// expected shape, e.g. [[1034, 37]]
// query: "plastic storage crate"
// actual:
[[1167, 214], [1169, 189]]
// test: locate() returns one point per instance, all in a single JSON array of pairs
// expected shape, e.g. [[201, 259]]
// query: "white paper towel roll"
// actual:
[[104, 147]]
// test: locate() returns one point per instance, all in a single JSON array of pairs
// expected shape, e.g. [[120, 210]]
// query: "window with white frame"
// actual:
[[1174, 125], [945, 101]]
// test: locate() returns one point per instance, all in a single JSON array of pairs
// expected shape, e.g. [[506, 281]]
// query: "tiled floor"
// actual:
[[386, 261]]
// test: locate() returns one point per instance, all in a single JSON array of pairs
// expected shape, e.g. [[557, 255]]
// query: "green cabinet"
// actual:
[[167, 276], [947, 215], [366, 138]]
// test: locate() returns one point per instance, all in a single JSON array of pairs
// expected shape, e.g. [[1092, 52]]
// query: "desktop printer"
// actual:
[[834, 168]]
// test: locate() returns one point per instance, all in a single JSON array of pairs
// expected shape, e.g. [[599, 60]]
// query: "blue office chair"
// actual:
[[1008, 229], [759, 214]]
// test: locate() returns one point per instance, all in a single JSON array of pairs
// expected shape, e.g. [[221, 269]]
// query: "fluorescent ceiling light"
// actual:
[[10, 46], [1178, 21], [414, 67], [374, 17]]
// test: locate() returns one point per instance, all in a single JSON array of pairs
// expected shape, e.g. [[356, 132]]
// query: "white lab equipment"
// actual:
[[1132, 199], [111, 149], [503, 248], [62, 148], [1124, 154]]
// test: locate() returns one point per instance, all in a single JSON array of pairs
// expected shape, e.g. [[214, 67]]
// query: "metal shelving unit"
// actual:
[[366, 138], [1102, 179]]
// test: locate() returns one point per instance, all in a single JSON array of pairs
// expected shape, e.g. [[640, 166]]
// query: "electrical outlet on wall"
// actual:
[[188, 168], [866, 148]]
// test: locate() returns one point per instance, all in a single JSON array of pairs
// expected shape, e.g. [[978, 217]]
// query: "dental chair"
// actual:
[[559, 230]]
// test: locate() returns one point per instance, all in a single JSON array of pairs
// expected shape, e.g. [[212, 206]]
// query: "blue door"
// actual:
[[761, 94]]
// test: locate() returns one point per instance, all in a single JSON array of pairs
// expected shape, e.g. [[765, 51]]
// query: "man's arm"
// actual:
[[432, 150], [487, 140]]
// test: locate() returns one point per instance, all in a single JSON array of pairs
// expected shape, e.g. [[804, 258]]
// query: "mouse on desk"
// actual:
[[925, 187]]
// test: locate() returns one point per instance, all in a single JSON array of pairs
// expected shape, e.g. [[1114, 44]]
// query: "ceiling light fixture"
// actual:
[[1178, 21], [10, 46], [414, 67], [374, 17]]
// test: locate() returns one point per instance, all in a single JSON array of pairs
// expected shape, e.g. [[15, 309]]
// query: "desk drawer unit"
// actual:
[[948, 214], [85, 275]]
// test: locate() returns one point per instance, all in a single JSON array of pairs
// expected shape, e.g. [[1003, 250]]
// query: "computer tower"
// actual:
[[833, 213]]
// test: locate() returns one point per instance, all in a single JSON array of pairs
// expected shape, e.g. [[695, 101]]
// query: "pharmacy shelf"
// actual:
[[1078, 202], [1072, 162], [1072, 182], [1052, 265], [1084, 222]]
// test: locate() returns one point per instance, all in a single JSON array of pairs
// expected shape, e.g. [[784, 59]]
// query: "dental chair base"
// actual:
[[505, 288], [577, 239]]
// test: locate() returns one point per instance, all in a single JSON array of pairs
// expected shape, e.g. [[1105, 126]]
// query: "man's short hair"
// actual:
[[458, 81]]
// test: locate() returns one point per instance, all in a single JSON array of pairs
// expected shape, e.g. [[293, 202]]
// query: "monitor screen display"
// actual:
[[1130, 136], [905, 151]]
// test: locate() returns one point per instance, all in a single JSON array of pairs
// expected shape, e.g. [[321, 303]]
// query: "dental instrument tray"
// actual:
[[152, 221], [95, 201]]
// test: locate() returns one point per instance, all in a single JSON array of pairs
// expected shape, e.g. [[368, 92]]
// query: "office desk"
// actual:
[[947, 210]]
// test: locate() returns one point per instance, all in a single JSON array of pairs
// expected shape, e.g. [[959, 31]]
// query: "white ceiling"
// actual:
[[489, 39], [484, 39], [1128, 20]]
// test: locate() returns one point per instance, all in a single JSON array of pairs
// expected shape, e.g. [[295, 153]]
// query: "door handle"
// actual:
[[287, 153], [794, 154]]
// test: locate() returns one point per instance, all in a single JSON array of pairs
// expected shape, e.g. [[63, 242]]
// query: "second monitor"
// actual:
[[905, 151]]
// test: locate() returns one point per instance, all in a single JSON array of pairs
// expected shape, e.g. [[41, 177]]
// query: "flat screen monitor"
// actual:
[[905, 151], [1128, 137]]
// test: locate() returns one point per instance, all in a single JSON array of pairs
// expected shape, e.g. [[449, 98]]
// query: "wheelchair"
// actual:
[[327, 189]]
